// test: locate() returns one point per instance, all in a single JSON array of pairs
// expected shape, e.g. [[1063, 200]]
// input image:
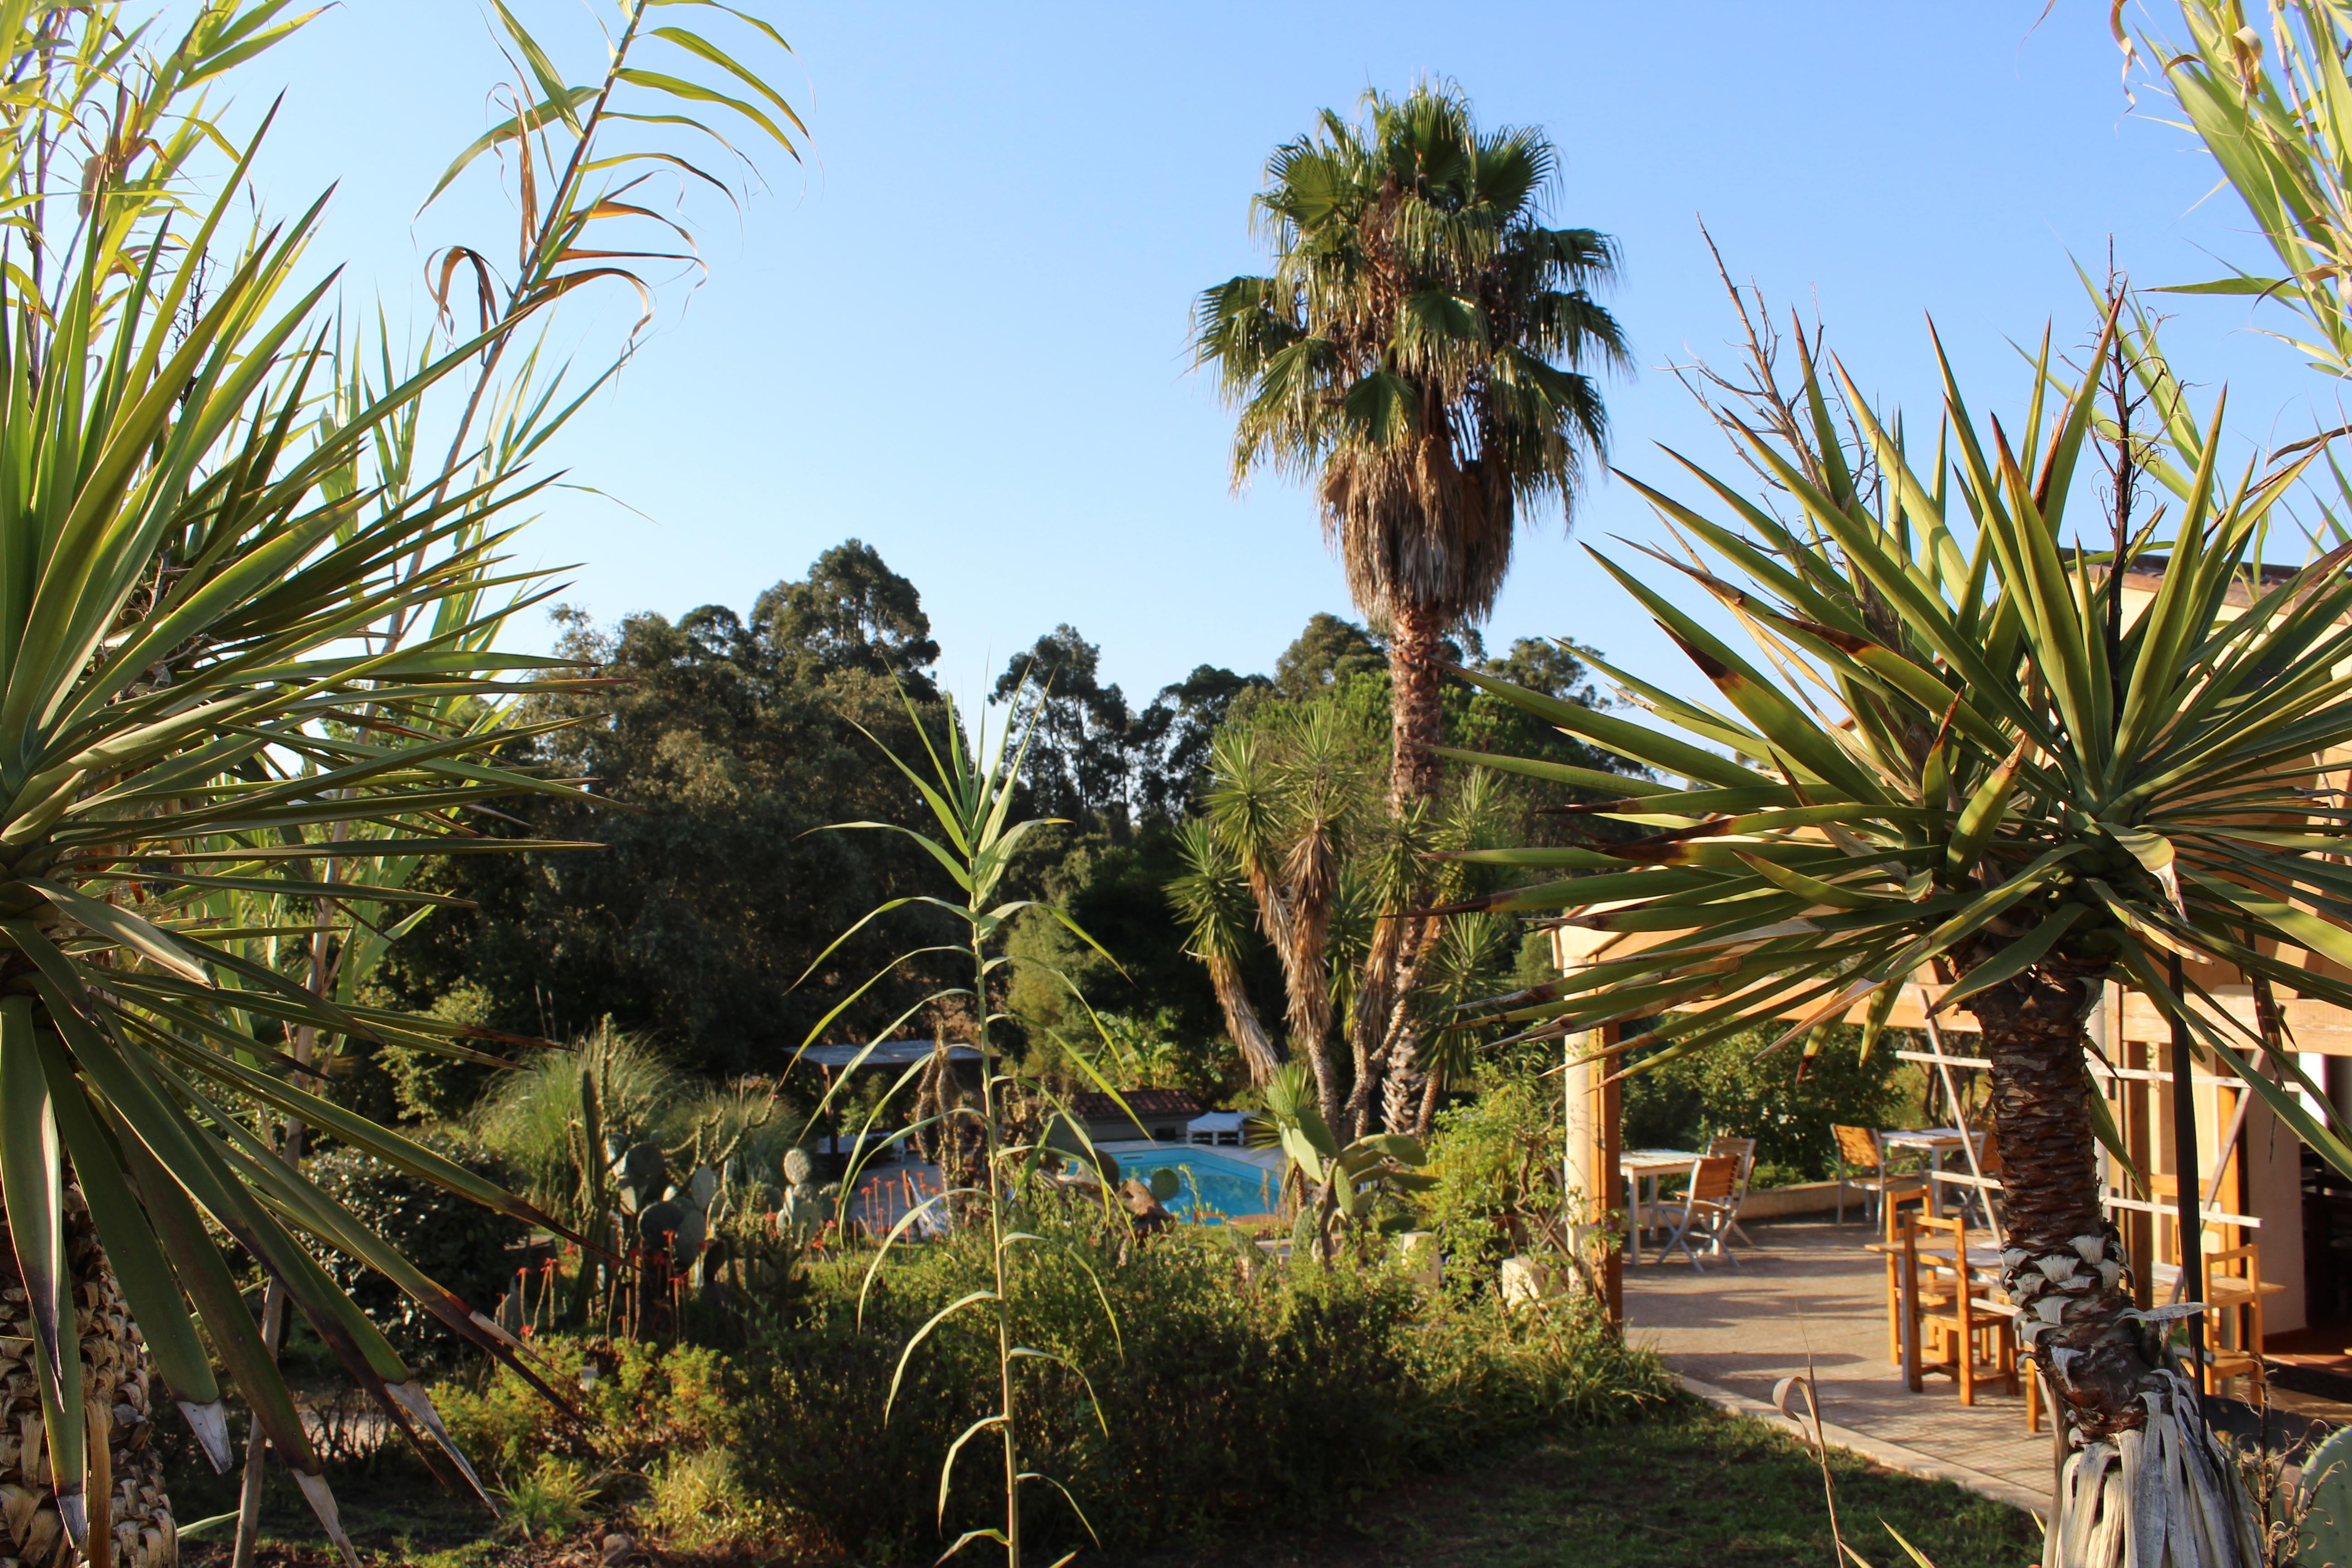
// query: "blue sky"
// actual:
[[958, 333]]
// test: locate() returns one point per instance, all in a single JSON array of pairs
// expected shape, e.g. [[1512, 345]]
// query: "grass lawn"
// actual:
[[1693, 1488]]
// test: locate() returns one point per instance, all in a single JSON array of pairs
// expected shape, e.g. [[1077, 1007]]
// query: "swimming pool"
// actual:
[[1214, 1186]]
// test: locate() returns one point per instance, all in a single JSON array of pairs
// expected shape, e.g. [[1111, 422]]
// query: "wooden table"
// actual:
[[1653, 1166]]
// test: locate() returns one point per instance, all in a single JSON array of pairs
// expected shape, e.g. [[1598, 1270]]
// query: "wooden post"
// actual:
[[2138, 1229], [1589, 1144], [2184, 1160], [1613, 1117], [1589, 1152]]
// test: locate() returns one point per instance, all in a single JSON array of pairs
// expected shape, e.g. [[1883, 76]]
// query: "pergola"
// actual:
[[2251, 1165], [2247, 1165]]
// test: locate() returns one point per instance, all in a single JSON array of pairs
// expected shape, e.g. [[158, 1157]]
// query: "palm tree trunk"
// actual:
[[2111, 1381], [1401, 1096], [1415, 704], [136, 1514], [1432, 1086], [1418, 721]]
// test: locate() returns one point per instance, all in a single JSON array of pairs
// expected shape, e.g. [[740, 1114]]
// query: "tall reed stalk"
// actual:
[[970, 790]]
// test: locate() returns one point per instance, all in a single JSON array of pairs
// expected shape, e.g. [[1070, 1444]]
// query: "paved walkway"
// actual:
[[1807, 1290]]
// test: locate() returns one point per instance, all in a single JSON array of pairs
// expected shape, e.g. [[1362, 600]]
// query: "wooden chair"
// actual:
[[2233, 1288], [1708, 1208], [1858, 1150], [2234, 1285], [1744, 1150], [1953, 1330], [1890, 1236]]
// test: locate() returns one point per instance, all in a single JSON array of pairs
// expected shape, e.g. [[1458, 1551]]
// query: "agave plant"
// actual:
[[1957, 753]]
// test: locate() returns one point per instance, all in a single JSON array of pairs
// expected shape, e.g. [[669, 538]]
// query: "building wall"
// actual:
[[2274, 1191]]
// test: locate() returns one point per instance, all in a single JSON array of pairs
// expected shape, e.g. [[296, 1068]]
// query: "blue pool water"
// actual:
[[1214, 1186]]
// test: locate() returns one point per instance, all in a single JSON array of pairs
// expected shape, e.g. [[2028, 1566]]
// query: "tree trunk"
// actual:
[[1400, 1097], [1248, 1035], [115, 1380], [1417, 717], [2139, 1443], [1414, 704]]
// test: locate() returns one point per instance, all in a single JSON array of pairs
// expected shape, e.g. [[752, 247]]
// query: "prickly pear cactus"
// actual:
[[799, 1169], [2327, 1489]]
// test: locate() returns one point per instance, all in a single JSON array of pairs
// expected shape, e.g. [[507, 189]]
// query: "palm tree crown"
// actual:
[[1420, 350]]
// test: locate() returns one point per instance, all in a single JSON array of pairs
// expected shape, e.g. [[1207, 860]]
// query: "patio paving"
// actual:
[[1808, 1293]]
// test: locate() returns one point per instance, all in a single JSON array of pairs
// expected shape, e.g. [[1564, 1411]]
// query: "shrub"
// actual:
[[1496, 1160], [457, 1243], [527, 1115], [1227, 1389], [1230, 1387], [645, 1403], [549, 1502], [696, 1501], [1785, 1101]]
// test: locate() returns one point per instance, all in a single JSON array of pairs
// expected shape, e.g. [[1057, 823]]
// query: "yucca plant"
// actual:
[[232, 651], [2269, 95], [1957, 753]]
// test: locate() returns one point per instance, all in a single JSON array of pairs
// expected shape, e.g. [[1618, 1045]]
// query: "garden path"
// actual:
[[1807, 1291]]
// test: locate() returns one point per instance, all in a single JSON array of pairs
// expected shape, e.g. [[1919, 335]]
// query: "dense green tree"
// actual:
[[852, 611], [1194, 706], [1088, 753], [717, 750], [1329, 653]]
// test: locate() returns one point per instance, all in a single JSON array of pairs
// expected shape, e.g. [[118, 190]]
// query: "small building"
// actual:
[[1220, 1129], [835, 1063], [1160, 1115]]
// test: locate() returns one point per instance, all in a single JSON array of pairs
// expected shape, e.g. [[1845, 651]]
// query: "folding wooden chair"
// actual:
[[1744, 1150], [1858, 1150], [1707, 1209], [1956, 1332]]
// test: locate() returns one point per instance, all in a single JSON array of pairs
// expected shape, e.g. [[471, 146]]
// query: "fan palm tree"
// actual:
[[1422, 352], [1958, 753]]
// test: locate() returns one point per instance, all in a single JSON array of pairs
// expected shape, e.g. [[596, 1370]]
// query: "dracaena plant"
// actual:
[[247, 678], [1958, 747]]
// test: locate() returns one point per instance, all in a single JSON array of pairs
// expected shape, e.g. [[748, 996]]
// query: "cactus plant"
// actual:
[[2326, 1533], [587, 1136]]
